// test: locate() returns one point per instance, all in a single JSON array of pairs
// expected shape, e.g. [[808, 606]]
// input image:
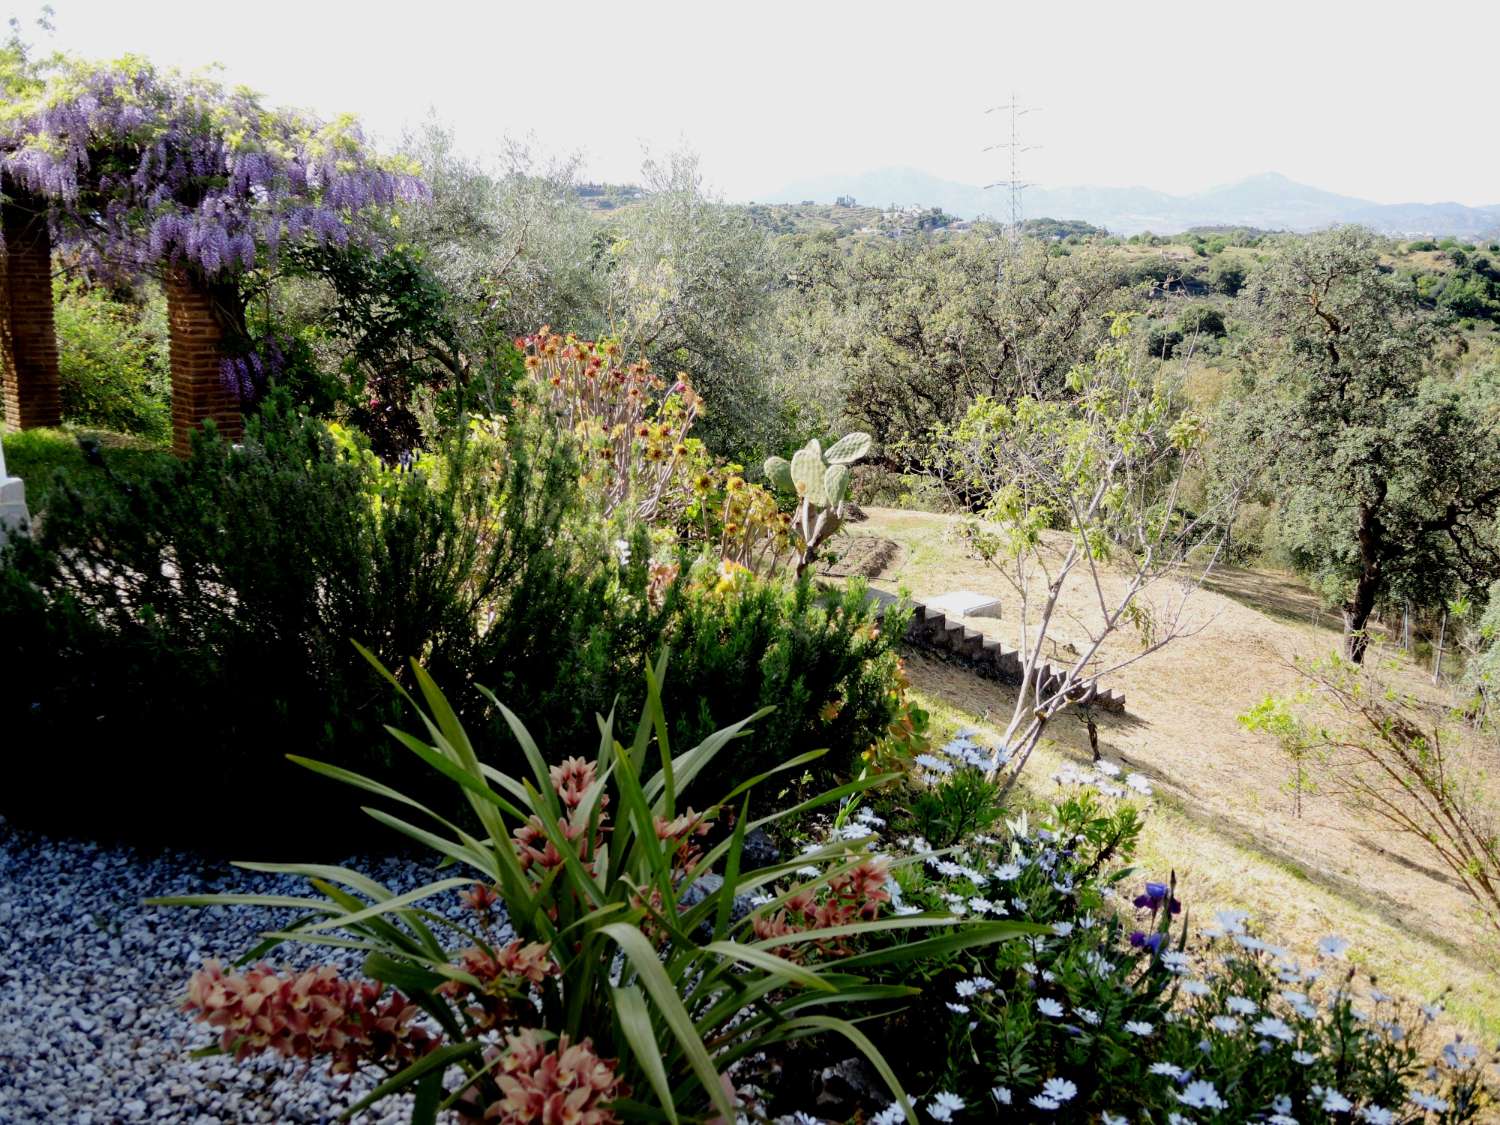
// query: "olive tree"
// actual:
[[510, 241], [906, 334], [689, 285]]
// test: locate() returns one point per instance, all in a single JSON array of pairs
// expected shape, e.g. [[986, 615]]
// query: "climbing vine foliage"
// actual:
[[140, 168]]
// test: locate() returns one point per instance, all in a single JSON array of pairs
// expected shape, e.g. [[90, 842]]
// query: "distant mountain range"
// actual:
[[1269, 201]]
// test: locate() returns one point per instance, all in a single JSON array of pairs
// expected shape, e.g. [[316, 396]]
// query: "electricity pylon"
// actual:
[[1016, 185]]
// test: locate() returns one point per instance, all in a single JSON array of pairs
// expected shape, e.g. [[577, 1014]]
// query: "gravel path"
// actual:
[[91, 981]]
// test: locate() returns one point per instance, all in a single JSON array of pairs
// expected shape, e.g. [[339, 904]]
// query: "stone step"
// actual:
[[930, 628]]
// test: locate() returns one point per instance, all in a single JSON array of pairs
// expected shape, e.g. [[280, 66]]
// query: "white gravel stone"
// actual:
[[91, 983]]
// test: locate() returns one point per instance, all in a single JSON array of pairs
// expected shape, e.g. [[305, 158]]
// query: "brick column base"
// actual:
[[197, 315], [28, 339]]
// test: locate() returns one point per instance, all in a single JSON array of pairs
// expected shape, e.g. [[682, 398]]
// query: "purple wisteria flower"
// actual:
[[141, 169]]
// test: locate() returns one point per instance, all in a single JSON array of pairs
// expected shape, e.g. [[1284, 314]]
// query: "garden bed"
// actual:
[[92, 983]]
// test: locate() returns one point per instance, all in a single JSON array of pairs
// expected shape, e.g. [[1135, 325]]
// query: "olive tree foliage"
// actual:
[[1083, 515], [1388, 484], [689, 285], [904, 335], [511, 242], [678, 278]]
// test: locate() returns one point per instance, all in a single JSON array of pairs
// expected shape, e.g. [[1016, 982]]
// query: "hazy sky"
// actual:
[[1392, 101]]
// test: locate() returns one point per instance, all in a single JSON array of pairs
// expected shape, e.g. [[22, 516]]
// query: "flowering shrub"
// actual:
[[142, 168], [639, 458], [614, 939], [1118, 1014]]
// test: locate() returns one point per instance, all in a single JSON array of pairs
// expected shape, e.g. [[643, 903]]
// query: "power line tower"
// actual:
[[1016, 185]]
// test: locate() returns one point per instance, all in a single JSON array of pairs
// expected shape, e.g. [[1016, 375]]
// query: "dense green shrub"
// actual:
[[175, 601], [111, 360], [1227, 275], [824, 662], [1201, 320], [1163, 340], [214, 604]]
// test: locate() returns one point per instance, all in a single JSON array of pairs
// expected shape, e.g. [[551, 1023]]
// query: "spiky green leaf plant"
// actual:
[[644, 954]]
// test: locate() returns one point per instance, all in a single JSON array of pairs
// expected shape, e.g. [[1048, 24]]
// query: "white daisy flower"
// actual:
[[1332, 946], [1335, 1102], [1232, 921], [944, 1105], [1200, 1094], [1428, 1101], [973, 986], [1273, 1029]]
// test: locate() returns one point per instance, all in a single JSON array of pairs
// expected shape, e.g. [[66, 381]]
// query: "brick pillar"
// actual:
[[199, 318], [28, 340]]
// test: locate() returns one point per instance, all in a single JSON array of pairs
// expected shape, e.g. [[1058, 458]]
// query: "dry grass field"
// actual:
[[1223, 817]]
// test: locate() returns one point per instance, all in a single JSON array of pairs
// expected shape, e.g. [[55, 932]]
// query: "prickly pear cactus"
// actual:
[[822, 482], [849, 449], [779, 473], [807, 475]]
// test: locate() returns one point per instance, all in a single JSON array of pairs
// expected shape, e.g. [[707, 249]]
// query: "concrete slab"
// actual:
[[12, 500], [965, 603]]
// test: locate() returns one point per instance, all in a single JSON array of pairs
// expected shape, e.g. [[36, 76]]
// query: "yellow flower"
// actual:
[[732, 577]]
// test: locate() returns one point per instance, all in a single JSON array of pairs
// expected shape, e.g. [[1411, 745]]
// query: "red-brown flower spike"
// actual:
[[572, 779], [480, 898], [301, 1015], [568, 1085]]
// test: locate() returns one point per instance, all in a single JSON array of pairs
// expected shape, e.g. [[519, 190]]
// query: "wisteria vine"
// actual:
[[140, 168]]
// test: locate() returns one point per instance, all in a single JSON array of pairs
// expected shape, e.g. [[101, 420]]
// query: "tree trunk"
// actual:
[[1358, 608]]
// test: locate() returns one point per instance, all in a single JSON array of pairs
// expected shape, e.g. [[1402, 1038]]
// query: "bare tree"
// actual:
[[1106, 463], [1390, 759]]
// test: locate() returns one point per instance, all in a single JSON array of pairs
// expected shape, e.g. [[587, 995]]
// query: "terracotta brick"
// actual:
[[196, 317], [28, 338]]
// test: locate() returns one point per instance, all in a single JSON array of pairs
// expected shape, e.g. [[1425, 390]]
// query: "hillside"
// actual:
[[1270, 201], [1222, 817]]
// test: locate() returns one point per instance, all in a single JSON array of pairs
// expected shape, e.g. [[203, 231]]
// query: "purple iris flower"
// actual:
[[1142, 940], [1157, 895]]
